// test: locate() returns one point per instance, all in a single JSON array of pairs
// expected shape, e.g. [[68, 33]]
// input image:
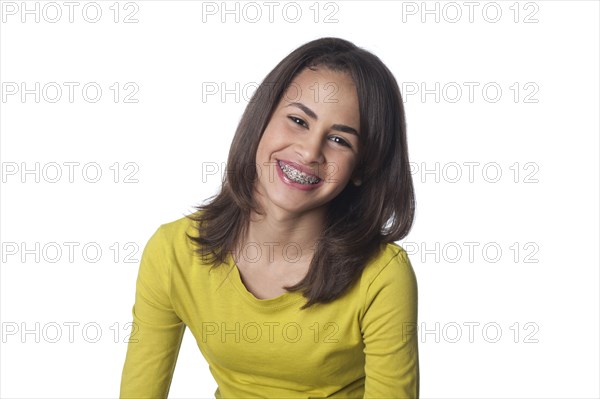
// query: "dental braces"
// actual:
[[298, 176]]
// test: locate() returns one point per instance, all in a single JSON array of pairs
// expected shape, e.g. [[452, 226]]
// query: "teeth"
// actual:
[[298, 176]]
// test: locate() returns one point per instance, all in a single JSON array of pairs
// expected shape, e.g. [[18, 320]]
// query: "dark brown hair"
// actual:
[[361, 218]]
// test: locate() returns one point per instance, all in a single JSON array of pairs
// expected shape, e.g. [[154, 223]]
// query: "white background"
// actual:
[[543, 219]]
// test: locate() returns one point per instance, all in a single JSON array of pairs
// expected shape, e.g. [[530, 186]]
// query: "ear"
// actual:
[[356, 174]]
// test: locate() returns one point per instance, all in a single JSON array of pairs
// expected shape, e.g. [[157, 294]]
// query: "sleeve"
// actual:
[[389, 331], [157, 331]]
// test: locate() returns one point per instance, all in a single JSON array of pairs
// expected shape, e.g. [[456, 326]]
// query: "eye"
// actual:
[[298, 121], [341, 141]]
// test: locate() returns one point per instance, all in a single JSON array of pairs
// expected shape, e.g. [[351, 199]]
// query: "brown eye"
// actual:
[[341, 141], [298, 121]]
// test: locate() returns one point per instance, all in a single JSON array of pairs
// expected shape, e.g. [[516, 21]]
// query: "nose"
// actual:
[[310, 149]]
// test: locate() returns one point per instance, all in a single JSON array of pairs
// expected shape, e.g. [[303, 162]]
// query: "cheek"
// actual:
[[339, 169], [274, 137], [265, 141]]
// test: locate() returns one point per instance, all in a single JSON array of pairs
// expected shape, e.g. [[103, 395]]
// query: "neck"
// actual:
[[281, 238]]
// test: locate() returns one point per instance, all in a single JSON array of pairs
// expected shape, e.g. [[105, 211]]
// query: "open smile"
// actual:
[[296, 177]]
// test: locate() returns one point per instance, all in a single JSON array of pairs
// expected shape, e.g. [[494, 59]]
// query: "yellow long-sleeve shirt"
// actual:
[[362, 345]]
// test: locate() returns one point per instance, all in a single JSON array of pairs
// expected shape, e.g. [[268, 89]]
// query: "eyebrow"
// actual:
[[311, 114]]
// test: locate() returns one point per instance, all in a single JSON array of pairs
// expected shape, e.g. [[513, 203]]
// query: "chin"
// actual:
[[290, 207]]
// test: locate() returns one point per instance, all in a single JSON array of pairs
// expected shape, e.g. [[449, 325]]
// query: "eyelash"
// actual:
[[296, 120]]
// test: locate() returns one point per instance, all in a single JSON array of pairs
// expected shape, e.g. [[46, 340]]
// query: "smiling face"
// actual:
[[310, 147]]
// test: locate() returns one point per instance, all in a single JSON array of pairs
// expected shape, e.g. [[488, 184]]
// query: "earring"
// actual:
[[357, 182]]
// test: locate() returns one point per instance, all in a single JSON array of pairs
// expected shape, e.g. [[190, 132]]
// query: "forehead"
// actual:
[[322, 86]]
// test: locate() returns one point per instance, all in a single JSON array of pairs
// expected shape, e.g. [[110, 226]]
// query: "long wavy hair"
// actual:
[[361, 218]]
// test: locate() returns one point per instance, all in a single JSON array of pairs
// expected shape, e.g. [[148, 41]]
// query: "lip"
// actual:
[[304, 187]]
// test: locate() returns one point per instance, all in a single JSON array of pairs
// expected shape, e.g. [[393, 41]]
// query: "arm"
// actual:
[[389, 330], [156, 332]]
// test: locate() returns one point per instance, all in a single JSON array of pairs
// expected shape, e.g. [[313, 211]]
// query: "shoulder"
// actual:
[[171, 238], [391, 262], [389, 286], [390, 274], [175, 229]]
